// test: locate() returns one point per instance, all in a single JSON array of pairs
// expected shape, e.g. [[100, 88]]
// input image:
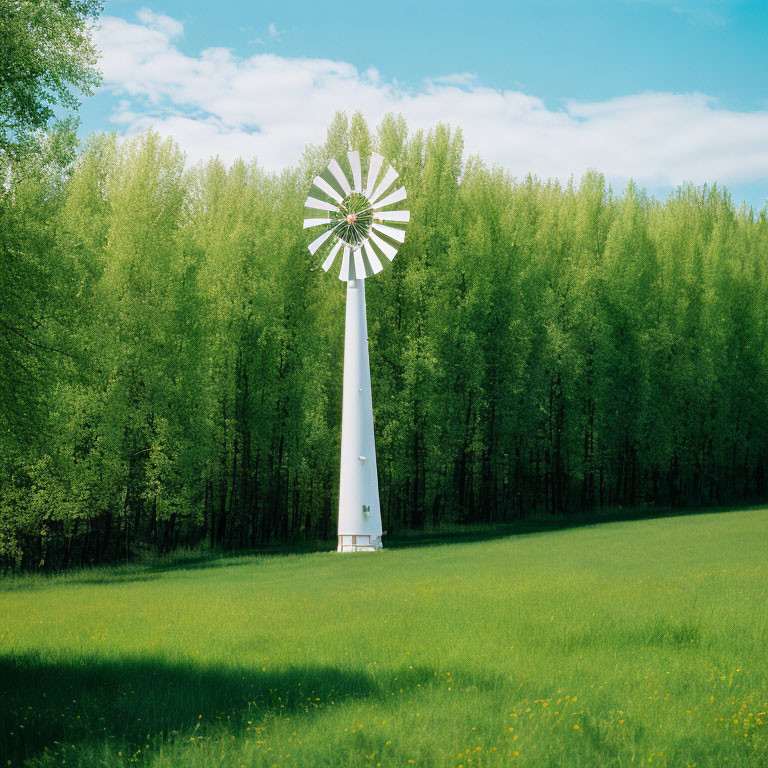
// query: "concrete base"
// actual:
[[361, 542]]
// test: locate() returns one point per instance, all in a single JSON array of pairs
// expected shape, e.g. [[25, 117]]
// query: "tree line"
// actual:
[[172, 354]]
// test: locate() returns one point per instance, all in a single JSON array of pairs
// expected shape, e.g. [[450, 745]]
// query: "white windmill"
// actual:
[[359, 223]]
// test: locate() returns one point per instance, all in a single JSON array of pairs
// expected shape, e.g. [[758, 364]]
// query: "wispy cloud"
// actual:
[[457, 78], [272, 106], [706, 13], [160, 22], [275, 33]]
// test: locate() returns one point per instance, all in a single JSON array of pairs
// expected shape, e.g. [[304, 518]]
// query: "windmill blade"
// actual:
[[335, 169], [386, 183], [359, 266], [322, 184], [344, 274], [393, 232], [373, 173], [321, 205], [395, 197], [373, 259], [393, 215], [388, 250], [328, 263], [315, 222], [357, 174], [317, 242]]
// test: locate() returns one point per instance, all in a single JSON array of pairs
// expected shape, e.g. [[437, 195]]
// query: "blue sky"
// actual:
[[662, 91]]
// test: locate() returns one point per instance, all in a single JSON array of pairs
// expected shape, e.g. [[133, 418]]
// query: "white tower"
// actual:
[[355, 224]]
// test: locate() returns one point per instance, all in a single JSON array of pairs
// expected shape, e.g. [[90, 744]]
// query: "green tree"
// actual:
[[535, 347], [47, 57]]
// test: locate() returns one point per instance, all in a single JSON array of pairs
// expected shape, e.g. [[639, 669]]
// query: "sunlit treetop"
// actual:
[[47, 60]]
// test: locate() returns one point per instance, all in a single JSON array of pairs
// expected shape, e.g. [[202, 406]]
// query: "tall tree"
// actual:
[[47, 58]]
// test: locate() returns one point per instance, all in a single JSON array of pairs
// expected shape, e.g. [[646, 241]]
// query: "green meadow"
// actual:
[[619, 644]]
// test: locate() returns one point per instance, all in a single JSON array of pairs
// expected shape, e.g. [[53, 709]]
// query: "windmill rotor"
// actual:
[[358, 220], [361, 222]]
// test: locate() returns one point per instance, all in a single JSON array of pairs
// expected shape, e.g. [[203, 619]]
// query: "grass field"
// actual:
[[635, 643]]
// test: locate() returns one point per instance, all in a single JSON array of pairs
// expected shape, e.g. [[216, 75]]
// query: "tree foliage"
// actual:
[[535, 349], [47, 56]]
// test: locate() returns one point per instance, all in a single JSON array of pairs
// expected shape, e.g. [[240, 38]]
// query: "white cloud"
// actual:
[[271, 107], [160, 22]]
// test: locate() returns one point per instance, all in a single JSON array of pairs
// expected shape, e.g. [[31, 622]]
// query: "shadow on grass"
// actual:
[[89, 702], [153, 568], [200, 559], [468, 534], [86, 704]]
